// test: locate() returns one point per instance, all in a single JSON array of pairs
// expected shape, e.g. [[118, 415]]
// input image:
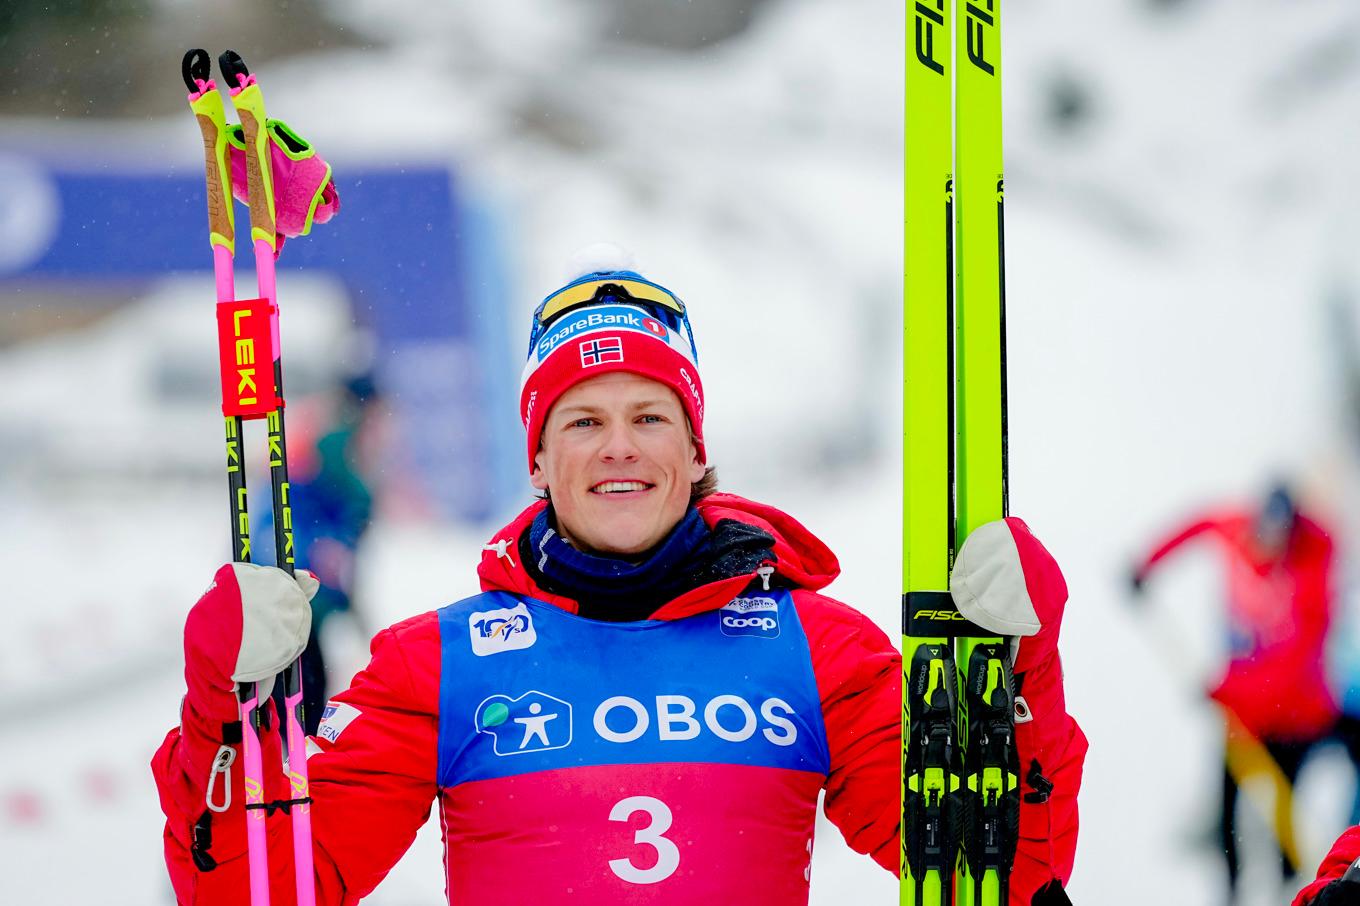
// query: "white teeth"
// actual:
[[610, 487]]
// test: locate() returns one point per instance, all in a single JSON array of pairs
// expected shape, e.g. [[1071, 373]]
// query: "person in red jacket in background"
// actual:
[[1338, 877], [647, 698], [1279, 596]]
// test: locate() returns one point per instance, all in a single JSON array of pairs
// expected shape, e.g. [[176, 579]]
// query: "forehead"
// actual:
[[618, 389]]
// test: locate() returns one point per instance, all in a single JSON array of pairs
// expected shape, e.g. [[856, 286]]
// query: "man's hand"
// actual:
[[250, 624], [1005, 581]]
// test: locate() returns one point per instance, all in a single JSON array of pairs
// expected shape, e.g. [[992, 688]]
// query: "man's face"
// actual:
[[616, 455]]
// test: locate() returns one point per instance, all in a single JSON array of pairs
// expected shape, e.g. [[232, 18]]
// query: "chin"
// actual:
[[622, 529], [623, 540], [617, 545]]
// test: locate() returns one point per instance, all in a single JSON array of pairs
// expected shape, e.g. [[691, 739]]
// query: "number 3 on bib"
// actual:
[[667, 853]]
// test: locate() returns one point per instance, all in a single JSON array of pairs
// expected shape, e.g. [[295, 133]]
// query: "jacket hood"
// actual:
[[800, 558]]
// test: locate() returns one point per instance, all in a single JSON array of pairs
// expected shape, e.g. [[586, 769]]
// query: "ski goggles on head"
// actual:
[[601, 289]]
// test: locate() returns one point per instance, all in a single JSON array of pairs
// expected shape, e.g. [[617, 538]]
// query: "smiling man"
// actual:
[[623, 461], [648, 697]]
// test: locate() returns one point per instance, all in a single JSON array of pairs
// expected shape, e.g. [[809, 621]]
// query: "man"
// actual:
[[1275, 692], [649, 695]]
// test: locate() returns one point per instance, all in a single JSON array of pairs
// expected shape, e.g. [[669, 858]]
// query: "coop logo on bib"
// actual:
[[506, 629], [750, 616]]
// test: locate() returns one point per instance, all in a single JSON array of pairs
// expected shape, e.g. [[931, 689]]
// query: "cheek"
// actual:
[[554, 466], [685, 466]]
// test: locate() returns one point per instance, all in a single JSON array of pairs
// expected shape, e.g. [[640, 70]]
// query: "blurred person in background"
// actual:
[[1338, 877], [331, 499], [1344, 663], [649, 695], [1275, 691]]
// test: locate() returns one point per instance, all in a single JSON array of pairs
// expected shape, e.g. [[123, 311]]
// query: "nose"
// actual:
[[619, 444]]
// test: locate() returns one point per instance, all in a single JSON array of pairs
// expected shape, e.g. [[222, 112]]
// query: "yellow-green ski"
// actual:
[[990, 792], [960, 794], [930, 778]]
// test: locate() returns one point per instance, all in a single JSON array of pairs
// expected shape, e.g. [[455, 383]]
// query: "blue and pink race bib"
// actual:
[[659, 762]]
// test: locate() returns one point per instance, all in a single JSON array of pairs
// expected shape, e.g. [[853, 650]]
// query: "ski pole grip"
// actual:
[[206, 104], [248, 100], [196, 68], [233, 68]]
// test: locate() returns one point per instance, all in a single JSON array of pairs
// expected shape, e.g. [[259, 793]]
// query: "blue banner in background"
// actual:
[[420, 264]]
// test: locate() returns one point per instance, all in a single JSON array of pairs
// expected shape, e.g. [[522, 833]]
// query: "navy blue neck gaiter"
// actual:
[[633, 588]]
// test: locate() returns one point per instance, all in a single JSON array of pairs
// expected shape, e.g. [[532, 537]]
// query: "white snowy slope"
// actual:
[[1166, 257], [1166, 269]]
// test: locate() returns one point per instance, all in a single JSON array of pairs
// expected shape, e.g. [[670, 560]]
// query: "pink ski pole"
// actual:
[[207, 106], [248, 100]]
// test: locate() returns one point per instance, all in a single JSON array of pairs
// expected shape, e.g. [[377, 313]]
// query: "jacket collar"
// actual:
[[800, 559]]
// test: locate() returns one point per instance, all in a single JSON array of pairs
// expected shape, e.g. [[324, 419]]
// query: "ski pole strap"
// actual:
[[932, 614], [279, 805]]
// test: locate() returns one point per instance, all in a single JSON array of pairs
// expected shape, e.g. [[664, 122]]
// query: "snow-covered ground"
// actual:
[[1168, 254]]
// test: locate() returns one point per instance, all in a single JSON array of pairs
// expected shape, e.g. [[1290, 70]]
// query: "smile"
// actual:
[[620, 487]]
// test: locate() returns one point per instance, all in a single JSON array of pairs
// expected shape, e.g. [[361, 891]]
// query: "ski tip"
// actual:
[[196, 69]]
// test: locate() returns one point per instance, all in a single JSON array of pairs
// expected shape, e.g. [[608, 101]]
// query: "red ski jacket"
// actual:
[[375, 776], [1345, 851], [1278, 614]]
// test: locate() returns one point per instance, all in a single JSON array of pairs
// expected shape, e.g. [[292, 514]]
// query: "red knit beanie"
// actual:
[[602, 322]]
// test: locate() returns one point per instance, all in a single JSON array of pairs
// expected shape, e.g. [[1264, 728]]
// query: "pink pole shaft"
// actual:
[[264, 275], [222, 268], [303, 873], [301, 814], [257, 840]]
